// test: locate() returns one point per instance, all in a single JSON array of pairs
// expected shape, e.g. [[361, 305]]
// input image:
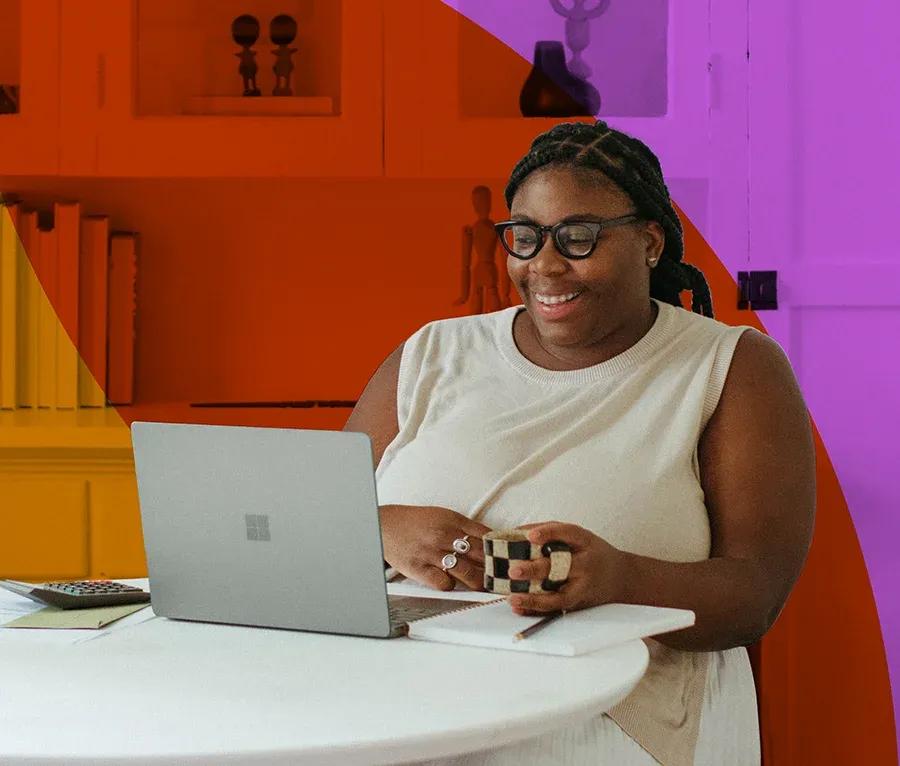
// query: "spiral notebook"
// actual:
[[493, 625]]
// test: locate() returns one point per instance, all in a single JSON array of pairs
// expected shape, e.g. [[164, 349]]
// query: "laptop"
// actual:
[[270, 527]]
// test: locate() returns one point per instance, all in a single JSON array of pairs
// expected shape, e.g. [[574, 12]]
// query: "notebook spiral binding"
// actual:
[[470, 605]]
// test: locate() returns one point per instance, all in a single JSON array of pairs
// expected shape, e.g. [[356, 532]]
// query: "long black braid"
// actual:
[[636, 170]]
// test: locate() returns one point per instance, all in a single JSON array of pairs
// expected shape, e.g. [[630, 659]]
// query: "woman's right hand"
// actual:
[[416, 538]]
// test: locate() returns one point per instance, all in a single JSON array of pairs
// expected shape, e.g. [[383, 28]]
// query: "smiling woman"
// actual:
[[610, 310], [673, 452]]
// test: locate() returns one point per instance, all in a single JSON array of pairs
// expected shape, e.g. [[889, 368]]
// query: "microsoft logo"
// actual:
[[257, 526]]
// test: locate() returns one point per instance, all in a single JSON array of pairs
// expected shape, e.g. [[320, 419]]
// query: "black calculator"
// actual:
[[79, 594]]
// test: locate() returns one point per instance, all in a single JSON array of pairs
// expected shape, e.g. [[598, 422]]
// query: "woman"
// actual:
[[672, 452]]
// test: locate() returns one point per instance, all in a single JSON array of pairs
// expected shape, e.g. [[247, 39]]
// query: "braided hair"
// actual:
[[635, 169]]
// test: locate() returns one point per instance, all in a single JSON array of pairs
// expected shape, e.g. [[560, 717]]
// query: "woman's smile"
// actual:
[[556, 306]]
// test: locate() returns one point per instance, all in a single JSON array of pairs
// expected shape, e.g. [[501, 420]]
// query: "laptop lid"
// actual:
[[273, 527]]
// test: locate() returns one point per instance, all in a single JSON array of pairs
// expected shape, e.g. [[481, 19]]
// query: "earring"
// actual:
[[652, 261]]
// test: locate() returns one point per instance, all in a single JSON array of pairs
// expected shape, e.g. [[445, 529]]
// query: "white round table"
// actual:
[[167, 691]]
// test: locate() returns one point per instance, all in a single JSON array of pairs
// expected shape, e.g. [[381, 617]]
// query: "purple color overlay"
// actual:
[[802, 163]]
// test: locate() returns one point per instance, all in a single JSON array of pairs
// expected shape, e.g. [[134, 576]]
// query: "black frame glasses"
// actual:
[[557, 231]]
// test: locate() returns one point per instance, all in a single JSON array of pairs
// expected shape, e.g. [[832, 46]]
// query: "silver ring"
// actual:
[[449, 561], [462, 544]]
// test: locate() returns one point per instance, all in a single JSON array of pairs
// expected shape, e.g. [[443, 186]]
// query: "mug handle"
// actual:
[[560, 555]]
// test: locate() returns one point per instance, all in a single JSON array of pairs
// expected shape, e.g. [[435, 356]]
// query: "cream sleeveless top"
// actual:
[[611, 447]]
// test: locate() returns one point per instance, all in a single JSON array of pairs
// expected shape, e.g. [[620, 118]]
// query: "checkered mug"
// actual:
[[501, 546]]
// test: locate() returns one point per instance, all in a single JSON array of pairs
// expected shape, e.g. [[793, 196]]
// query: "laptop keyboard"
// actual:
[[405, 609]]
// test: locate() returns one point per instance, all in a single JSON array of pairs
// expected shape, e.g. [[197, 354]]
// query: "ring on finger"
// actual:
[[462, 544]]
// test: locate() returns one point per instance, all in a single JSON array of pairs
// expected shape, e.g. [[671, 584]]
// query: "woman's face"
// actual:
[[613, 284]]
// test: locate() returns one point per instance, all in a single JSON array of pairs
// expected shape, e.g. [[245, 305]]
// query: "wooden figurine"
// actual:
[[485, 281], [245, 32], [282, 32]]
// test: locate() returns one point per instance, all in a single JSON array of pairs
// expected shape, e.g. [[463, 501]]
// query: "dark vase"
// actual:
[[551, 90]]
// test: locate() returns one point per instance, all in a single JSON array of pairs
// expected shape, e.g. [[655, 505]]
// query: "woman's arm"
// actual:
[[375, 413], [757, 469], [415, 538]]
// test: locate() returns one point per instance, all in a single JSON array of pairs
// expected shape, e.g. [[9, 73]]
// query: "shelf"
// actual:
[[83, 429], [452, 101], [152, 89], [89, 431], [261, 106], [627, 55], [185, 51]]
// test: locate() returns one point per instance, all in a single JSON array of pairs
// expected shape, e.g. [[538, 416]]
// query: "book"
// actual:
[[27, 310], [9, 246], [92, 303], [67, 219], [122, 317], [494, 624], [47, 320]]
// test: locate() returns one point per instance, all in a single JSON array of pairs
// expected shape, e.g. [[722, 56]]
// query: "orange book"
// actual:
[[92, 290], [122, 316], [67, 220], [9, 246], [47, 321], [27, 310]]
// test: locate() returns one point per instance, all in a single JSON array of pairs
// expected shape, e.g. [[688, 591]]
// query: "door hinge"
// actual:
[[758, 290]]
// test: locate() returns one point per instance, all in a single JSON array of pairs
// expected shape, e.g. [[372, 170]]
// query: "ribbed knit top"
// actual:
[[611, 447]]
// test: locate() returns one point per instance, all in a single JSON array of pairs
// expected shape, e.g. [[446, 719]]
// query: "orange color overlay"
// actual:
[[245, 292]]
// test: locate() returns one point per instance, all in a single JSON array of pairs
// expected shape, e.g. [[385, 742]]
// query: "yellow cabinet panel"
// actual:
[[44, 528], [117, 545]]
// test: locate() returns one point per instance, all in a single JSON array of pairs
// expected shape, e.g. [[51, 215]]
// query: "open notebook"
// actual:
[[493, 625]]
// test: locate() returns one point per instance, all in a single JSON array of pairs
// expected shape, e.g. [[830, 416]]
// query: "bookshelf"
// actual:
[[243, 293], [29, 59]]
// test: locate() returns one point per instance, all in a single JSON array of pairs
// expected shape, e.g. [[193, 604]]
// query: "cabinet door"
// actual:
[[44, 522], [117, 545], [29, 58], [148, 83], [453, 79]]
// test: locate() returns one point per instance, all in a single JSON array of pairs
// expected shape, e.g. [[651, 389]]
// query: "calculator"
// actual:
[[78, 594]]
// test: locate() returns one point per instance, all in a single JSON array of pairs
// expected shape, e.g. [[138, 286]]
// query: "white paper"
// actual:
[[577, 632], [407, 587]]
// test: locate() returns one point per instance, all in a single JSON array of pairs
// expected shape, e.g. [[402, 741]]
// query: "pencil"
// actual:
[[538, 625]]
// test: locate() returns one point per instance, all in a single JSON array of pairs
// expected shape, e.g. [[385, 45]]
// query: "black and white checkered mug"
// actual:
[[502, 546]]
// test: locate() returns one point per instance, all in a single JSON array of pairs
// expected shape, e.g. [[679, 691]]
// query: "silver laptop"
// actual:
[[272, 527]]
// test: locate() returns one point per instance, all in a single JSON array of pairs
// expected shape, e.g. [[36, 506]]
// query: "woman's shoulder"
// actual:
[[693, 325]]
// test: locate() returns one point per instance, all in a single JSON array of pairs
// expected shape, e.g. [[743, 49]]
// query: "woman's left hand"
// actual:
[[595, 577]]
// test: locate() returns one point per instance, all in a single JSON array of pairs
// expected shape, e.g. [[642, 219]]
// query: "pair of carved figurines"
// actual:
[[282, 32]]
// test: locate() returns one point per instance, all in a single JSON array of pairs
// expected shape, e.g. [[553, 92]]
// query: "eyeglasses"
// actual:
[[574, 239]]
